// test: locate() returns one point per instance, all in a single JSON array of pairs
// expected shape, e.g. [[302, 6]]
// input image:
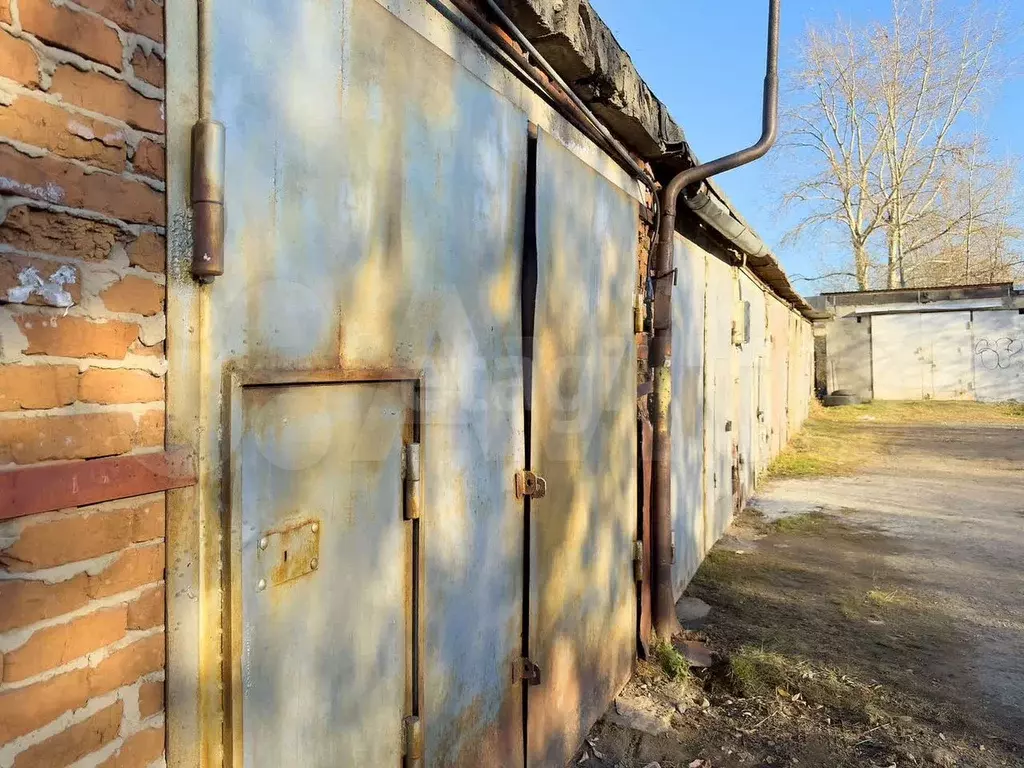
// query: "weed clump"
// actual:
[[671, 661]]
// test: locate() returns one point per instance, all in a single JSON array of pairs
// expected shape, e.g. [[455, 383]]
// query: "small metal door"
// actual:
[[324, 575]]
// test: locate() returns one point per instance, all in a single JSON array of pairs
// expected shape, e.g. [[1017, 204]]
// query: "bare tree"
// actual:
[[832, 129], [935, 70], [881, 122]]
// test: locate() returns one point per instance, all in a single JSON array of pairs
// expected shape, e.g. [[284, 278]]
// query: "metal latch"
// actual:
[[411, 481], [638, 561], [412, 742], [525, 670], [530, 484]]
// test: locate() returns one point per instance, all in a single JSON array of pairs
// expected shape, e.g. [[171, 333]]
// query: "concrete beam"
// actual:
[[583, 50]]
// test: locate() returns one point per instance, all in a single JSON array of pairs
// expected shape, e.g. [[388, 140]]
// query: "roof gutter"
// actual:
[[716, 214], [665, 622]]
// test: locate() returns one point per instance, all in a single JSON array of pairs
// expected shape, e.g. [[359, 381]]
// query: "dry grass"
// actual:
[[826, 448], [840, 441], [760, 672], [811, 523], [922, 412]]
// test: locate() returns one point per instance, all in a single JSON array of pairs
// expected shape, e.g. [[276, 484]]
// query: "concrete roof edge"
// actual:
[[583, 50]]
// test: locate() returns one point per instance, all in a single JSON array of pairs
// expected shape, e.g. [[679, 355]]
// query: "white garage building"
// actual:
[[961, 343]]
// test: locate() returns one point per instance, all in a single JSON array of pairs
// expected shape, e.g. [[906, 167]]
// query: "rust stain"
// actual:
[[471, 740], [290, 552]]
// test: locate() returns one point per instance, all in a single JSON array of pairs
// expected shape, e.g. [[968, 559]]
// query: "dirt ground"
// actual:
[[870, 619]]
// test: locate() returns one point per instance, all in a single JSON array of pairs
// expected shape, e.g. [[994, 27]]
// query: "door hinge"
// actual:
[[525, 670], [207, 200], [530, 484], [638, 561], [672, 547], [412, 742], [411, 481]]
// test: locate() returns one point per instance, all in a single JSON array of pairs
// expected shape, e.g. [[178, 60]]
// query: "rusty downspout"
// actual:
[[665, 622]]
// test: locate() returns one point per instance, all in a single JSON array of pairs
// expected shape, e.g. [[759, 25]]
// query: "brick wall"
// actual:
[[81, 376]]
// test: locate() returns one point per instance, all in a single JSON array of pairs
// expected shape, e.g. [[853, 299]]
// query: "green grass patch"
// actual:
[[670, 660]]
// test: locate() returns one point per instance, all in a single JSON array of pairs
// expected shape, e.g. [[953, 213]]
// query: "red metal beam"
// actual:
[[31, 490]]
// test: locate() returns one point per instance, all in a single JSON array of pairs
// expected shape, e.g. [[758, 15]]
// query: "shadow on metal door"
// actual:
[[325, 570]]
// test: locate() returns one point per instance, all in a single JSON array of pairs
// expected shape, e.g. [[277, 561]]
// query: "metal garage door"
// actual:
[[946, 343], [582, 613], [896, 357], [998, 351], [917, 356]]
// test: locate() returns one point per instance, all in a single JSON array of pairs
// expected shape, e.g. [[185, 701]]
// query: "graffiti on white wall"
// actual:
[[1000, 354]]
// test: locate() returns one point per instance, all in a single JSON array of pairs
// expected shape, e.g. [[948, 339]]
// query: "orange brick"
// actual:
[[148, 251], [134, 294], [76, 336], [139, 750], [76, 742], [58, 181], [81, 436], [99, 93], [147, 611], [67, 28], [138, 348], [104, 385], [45, 125], [25, 602], [134, 568], [149, 68], [151, 698], [37, 386], [143, 16], [150, 433], [127, 665], [149, 159], [39, 282], [148, 521], [25, 709], [59, 234], [82, 534], [53, 647], [18, 60]]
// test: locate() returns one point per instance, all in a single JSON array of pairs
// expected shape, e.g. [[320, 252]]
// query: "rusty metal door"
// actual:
[[326, 574], [582, 610], [375, 227]]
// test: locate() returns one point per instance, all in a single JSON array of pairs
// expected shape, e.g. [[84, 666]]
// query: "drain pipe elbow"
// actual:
[[664, 615]]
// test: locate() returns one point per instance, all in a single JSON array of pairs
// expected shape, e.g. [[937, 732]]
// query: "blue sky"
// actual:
[[705, 60]]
